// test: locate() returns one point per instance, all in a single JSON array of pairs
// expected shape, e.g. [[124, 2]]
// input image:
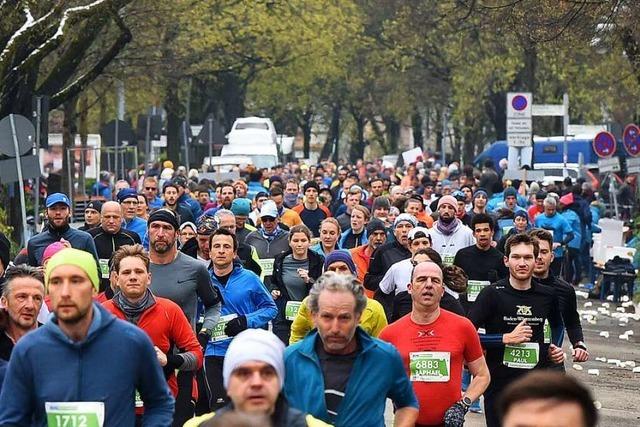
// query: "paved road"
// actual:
[[617, 389]]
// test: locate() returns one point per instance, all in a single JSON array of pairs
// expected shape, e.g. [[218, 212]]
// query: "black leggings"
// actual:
[[213, 374]]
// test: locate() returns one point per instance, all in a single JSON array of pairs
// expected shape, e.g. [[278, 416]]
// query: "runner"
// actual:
[[246, 304], [513, 312], [356, 234], [336, 369], [58, 216], [548, 399], [310, 211], [449, 234], [566, 295], [21, 301], [434, 345], [128, 199], [253, 376], [285, 216], [562, 234], [330, 232], [91, 215], [108, 238], [377, 236], [78, 342], [241, 208], [170, 192], [150, 190], [174, 341], [294, 272]]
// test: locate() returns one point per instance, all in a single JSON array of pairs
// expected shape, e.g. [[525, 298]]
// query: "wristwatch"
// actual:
[[581, 345], [466, 402], [205, 331]]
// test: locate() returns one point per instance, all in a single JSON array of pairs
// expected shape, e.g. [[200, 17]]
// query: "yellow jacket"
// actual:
[[195, 422], [373, 320]]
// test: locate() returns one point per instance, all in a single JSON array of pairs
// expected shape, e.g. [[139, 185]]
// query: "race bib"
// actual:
[[139, 402], [521, 356], [506, 229], [104, 268], [74, 414], [429, 366], [447, 259], [474, 287], [217, 333], [291, 309], [267, 266], [547, 332]]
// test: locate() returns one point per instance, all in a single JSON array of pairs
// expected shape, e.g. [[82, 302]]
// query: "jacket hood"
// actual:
[[101, 320]]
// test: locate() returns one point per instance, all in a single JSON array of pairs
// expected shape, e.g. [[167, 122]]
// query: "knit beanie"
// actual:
[[481, 192], [448, 200], [375, 225], [254, 345], [380, 202], [405, 217], [164, 215], [51, 250], [310, 184], [241, 206], [81, 259], [337, 256], [510, 192], [5, 247]]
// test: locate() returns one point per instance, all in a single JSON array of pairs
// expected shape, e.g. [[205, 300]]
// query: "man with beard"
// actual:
[[225, 199], [310, 211], [150, 190], [108, 238], [58, 215], [566, 294], [128, 199], [247, 254], [171, 194], [59, 371], [91, 215], [449, 234], [21, 300], [184, 198], [376, 185], [377, 235], [513, 312]]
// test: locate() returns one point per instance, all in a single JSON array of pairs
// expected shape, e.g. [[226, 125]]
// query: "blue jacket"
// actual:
[[345, 235], [79, 240], [574, 222], [194, 206], [253, 188], [377, 373], [244, 294], [558, 226], [156, 203], [136, 225], [114, 361]]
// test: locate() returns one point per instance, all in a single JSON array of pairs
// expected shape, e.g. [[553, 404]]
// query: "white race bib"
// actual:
[[447, 259], [218, 334], [267, 266], [430, 366], [104, 268], [74, 414], [291, 309], [474, 287], [521, 356]]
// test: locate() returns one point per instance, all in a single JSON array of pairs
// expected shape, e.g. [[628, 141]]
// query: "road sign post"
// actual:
[[519, 129], [604, 145]]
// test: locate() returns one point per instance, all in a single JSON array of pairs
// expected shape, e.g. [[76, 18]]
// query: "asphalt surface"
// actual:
[[616, 390]]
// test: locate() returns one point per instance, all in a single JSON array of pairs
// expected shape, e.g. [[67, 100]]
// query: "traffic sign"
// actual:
[[9, 169], [24, 131], [547, 110], [125, 134], [518, 139], [604, 144], [611, 164], [519, 126], [518, 105], [631, 140], [633, 165]]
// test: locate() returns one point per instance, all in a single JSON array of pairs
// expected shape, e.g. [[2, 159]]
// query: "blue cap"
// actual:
[[58, 198], [241, 206], [127, 193]]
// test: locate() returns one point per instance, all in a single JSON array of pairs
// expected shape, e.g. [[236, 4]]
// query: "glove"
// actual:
[[454, 417], [235, 326], [203, 339]]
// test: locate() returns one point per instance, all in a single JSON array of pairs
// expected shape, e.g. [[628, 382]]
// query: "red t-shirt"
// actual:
[[451, 334]]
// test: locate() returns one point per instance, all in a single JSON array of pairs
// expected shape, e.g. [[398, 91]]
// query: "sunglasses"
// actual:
[[267, 219], [150, 188]]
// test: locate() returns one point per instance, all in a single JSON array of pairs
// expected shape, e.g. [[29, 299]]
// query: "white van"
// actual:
[[247, 130], [261, 155]]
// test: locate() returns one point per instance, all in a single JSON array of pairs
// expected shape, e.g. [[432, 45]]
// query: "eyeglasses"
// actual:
[[267, 219], [130, 202]]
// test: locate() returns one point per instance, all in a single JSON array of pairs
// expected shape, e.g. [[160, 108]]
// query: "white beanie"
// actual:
[[253, 345]]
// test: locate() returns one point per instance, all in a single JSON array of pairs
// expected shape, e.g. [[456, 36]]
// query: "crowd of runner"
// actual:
[[300, 296]]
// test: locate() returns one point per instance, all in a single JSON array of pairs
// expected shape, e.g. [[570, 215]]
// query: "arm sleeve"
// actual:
[[91, 248], [555, 322], [185, 339], [473, 348], [401, 393], [158, 402], [266, 307], [210, 298], [375, 273], [16, 404], [301, 324], [572, 318], [479, 313]]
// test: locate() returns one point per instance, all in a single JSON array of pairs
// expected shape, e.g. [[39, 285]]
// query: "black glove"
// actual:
[[203, 339], [454, 417], [235, 326]]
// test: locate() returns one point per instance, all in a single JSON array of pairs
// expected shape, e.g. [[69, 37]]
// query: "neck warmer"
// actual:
[[448, 229], [290, 200], [133, 311], [271, 236]]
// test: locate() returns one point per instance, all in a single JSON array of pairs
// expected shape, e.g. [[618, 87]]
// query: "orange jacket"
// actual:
[[361, 259]]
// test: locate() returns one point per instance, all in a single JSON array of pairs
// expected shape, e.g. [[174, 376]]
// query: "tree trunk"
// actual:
[[392, 133], [83, 130], [68, 139], [304, 122], [332, 144], [174, 109], [356, 151], [416, 126], [233, 94]]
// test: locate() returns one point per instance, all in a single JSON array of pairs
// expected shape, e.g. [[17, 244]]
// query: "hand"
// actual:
[[162, 358], [556, 355], [235, 326], [580, 355], [304, 275], [521, 333], [275, 294], [454, 417], [65, 243], [556, 245], [494, 243], [203, 339]]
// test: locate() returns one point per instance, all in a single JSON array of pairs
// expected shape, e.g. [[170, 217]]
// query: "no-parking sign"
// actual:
[[631, 140], [604, 144]]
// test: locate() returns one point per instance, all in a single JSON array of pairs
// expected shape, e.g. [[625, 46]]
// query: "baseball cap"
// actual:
[[270, 209], [96, 205], [58, 198], [418, 232], [241, 206]]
